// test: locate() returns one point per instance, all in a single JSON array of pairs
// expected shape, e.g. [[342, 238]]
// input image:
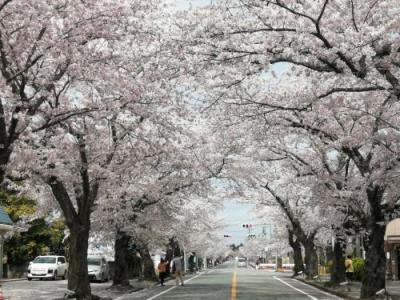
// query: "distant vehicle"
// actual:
[[242, 262], [48, 266], [98, 268]]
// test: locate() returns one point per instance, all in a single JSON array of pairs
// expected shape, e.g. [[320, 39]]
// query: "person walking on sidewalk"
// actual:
[[162, 270], [177, 269], [348, 263]]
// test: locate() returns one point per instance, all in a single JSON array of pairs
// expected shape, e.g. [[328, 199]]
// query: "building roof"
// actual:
[[392, 229], [4, 217]]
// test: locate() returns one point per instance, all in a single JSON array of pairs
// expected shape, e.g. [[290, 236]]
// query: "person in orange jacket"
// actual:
[[162, 270]]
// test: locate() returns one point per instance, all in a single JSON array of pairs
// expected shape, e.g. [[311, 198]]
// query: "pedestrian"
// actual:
[[162, 270], [348, 263], [177, 269], [257, 264]]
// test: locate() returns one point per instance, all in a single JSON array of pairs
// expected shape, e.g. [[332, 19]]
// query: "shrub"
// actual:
[[358, 265], [328, 266]]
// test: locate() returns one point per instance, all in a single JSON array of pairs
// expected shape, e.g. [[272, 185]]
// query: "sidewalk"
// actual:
[[4, 280], [351, 291]]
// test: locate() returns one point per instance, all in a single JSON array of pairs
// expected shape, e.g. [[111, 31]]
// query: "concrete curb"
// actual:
[[328, 290], [11, 279]]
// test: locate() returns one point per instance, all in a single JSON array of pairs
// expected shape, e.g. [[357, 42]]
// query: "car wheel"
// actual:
[[65, 275], [29, 279], [55, 275], [40, 278]]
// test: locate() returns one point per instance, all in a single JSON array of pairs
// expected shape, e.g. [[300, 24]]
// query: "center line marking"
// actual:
[[234, 287]]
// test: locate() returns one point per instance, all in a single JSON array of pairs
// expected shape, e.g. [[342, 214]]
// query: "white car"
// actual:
[[49, 266], [98, 268], [242, 262]]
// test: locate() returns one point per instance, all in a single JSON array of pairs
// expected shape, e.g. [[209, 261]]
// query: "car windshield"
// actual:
[[45, 260], [94, 261]]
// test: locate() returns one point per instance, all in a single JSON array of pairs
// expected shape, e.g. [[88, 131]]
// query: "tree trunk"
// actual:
[[6, 141], [338, 270], [148, 266], [173, 248], [375, 263], [311, 258], [79, 226], [78, 279], [4, 159], [297, 256], [121, 270]]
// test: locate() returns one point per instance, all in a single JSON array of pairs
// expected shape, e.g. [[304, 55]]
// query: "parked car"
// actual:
[[48, 266], [242, 262], [98, 268]]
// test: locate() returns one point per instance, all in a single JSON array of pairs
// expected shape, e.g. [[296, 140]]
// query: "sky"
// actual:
[[234, 215], [186, 4]]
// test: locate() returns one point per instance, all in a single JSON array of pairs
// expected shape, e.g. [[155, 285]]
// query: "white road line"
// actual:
[[321, 291], [291, 286], [162, 293], [174, 287]]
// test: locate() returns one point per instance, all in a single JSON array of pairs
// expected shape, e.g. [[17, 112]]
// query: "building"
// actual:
[[6, 225], [392, 248]]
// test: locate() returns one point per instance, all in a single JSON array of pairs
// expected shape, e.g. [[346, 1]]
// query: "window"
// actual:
[[45, 260], [94, 261], [61, 260]]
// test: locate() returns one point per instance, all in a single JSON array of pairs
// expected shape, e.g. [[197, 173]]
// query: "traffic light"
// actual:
[[247, 225], [227, 235], [252, 236]]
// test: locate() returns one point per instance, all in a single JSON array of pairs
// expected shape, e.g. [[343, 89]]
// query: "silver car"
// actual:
[[98, 268]]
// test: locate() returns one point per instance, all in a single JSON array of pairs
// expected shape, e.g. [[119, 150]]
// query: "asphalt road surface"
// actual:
[[227, 282]]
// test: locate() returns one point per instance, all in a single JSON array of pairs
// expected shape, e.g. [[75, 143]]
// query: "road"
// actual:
[[227, 282], [231, 283]]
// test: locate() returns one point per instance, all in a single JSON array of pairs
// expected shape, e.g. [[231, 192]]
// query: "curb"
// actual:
[[328, 290], [11, 280]]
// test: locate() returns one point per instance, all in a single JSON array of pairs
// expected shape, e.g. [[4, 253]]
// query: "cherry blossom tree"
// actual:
[[120, 82], [345, 55], [156, 195], [45, 48]]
